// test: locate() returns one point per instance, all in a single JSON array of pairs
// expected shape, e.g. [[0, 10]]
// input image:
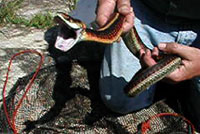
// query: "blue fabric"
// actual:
[[119, 65]]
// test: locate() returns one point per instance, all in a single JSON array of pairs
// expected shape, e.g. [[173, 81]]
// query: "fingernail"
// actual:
[[124, 9], [162, 46], [131, 9]]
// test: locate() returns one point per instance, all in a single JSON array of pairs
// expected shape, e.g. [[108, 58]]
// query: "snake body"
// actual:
[[108, 34]]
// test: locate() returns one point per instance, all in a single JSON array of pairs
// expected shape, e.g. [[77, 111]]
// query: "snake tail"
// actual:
[[150, 76]]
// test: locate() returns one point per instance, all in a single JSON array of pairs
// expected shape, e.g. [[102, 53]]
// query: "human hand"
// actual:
[[106, 8], [190, 66]]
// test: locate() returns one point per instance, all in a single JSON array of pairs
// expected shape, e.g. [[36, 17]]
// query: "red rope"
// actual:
[[11, 122], [146, 125]]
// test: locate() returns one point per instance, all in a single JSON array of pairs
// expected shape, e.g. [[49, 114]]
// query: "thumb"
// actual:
[[104, 10], [185, 52]]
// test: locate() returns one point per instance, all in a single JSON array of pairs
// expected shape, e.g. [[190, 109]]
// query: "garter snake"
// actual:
[[73, 31]]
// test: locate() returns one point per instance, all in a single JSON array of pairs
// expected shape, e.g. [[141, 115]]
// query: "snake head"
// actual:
[[70, 31]]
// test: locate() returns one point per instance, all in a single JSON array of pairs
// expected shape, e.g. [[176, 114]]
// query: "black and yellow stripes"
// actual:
[[151, 75]]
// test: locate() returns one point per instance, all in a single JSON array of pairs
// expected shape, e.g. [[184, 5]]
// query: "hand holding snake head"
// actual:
[[73, 31]]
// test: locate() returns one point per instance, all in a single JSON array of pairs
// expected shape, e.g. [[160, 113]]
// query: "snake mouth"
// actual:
[[67, 36]]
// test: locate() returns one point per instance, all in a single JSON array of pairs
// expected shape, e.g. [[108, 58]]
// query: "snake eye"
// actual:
[[66, 16]]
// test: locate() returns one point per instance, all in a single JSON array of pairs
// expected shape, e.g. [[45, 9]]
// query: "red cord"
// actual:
[[12, 122], [146, 125]]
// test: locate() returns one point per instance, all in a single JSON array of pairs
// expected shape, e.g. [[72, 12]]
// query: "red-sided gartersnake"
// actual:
[[73, 31]]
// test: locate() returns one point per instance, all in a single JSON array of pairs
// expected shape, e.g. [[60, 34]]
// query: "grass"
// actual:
[[8, 16], [7, 10], [40, 21]]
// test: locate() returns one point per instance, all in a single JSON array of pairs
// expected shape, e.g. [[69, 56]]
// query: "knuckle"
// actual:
[[174, 46]]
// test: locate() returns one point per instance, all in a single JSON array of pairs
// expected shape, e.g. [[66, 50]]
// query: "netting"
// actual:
[[52, 106], [170, 123]]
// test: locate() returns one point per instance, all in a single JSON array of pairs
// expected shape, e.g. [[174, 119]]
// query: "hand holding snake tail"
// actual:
[[73, 31]]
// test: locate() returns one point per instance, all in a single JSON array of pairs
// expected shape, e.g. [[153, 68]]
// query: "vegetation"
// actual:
[[7, 10], [8, 15], [38, 21]]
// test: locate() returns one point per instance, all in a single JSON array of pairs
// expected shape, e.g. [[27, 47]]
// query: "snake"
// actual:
[[72, 31]]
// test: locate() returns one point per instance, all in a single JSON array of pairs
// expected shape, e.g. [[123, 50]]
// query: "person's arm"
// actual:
[[106, 8], [190, 67]]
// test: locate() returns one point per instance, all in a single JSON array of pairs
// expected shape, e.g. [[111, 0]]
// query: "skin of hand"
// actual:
[[190, 66], [106, 8]]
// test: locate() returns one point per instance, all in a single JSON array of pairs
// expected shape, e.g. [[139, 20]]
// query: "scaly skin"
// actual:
[[107, 34], [110, 33]]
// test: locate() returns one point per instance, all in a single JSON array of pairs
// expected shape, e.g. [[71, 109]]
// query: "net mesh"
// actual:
[[50, 107], [168, 123]]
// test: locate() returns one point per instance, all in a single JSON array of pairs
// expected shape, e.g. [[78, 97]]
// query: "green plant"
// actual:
[[39, 20], [7, 10], [8, 15], [42, 20]]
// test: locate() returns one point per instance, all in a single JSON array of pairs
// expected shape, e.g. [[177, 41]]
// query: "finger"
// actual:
[[155, 52], [129, 22], [184, 72], [148, 53], [178, 75], [185, 52], [147, 58], [142, 53], [124, 7], [104, 11]]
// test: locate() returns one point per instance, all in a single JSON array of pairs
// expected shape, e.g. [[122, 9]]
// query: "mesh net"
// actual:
[[168, 123], [52, 106]]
